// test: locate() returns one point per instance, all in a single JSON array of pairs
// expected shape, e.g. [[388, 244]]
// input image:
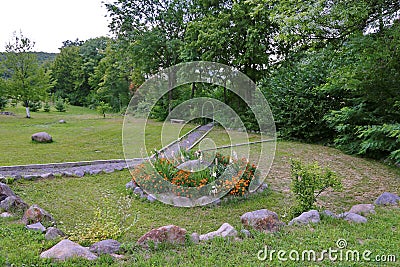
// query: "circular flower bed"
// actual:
[[221, 175]]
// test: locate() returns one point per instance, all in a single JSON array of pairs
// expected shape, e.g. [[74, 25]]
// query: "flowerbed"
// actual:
[[224, 175]]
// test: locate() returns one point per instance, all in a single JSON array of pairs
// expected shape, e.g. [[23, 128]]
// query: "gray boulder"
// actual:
[[353, 217], [79, 173], [329, 213], [10, 201], [42, 137], [67, 249], [130, 185], [307, 217], [195, 238], [362, 209], [387, 199], [13, 204], [53, 233], [226, 230], [36, 227], [108, 246], [5, 215], [262, 220]]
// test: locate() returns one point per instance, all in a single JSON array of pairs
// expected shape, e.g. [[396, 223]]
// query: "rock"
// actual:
[[62, 121], [108, 246], [79, 173], [5, 191], [37, 214], [31, 177], [226, 230], [262, 220], [246, 233], [67, 249], [13, 204], [5, 215], [307, 217], [95, 171], [170, 234], [151, 198], [47, 175], [352, 217], [329, 213], [67, 174], [109, 170], [387, 199], [53, 233], [182, 201], [42, 137], [195, 238], [362, 209], [36, 227], [138, 191], [130, 185], [262, 188]]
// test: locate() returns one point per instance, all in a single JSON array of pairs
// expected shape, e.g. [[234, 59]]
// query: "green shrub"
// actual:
[[308, 182], [61, 105], [46, 107], [3, 103], [34, 106]]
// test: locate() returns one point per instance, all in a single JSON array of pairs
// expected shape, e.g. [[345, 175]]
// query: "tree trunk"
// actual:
[[28, 114]]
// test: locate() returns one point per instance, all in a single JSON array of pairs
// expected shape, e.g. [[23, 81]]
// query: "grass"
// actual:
[[74, 202]]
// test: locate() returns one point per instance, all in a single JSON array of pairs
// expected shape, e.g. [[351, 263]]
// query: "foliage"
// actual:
[[34, 106], [46, 107], [102, 108], [106, 224], [28, 81], [308, 182], [61, 105]]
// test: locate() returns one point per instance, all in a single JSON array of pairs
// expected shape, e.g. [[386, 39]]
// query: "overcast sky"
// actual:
[[50, 22]]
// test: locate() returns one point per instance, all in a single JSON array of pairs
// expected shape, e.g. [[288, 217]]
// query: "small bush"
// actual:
[[308, 182], [3, 103], [34, 106], [61, 106], [46, 107]]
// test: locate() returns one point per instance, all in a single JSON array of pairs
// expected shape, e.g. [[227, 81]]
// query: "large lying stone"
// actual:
[[262, 220], [387, 199], [108, 246], [36, 214], [362, 209], [226, 230], [169, 234], [307, 217], [352, 217], [67, 249], [10, 201], [53, 233], [36, 227], [42, 137]]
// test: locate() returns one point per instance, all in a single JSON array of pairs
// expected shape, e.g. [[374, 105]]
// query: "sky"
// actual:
[[50, 22]]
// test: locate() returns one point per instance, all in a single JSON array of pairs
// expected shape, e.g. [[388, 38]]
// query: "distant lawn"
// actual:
[[86, 135]]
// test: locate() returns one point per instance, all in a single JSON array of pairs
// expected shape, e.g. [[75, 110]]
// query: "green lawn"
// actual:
[[74, 202]]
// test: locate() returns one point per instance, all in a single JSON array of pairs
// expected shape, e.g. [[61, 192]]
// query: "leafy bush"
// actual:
[[34, 106], [46, 107], [61, 105], [3, 103], [108, 223], [308, 182]]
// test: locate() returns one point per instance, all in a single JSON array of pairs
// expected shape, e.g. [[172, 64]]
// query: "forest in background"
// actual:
[[330, 70]]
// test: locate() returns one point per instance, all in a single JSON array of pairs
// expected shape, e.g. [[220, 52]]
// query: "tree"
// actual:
[[28, 81]]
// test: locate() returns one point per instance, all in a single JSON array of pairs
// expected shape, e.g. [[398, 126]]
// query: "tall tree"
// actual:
[[28, 81]]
